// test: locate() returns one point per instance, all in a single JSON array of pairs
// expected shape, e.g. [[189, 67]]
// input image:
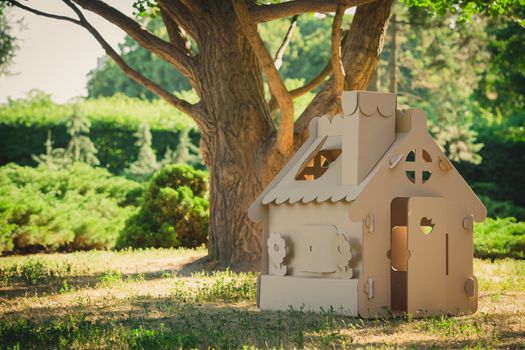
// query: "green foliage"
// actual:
[[146, 163], [34, 271], [79, 149], [185, 153], [499, 238], [500, 174], [223, 286], [76, 208], [497, 208], [38, 109], [174, 212], [502, 88], [109, 79], [8, 43], [25, 124], [309, 49], [464, 10], [431, 56]]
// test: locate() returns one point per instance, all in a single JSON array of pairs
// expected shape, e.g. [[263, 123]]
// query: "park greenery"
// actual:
[[81, 207], [105, 202], [127, 130]]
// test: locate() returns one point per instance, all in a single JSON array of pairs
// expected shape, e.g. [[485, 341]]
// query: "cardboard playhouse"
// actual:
[[368, 218]]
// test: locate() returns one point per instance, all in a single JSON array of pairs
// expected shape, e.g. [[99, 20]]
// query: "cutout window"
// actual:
[[427, 226], [426, 175], [418, 163], [426, 157], [318, 164], [411, 174], [411, 156]]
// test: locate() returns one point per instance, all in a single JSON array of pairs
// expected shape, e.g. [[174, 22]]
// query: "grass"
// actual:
[[154, 299]]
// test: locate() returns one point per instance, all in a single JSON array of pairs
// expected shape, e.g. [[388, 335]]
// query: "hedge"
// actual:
[[24, 126]]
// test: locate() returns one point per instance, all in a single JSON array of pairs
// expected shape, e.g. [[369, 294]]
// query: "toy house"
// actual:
[[368, 218]]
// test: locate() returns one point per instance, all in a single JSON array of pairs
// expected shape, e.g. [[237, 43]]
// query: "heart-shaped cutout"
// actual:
[[427, 226]]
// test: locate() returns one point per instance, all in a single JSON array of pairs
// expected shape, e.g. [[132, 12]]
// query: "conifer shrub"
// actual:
[[499, 238], [76, 208], [174, 212]]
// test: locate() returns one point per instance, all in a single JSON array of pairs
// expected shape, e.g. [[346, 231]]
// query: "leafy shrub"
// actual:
[[174, 212], [72, 209], [499, 238]]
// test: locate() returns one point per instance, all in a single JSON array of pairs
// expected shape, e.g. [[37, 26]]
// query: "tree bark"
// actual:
[[393, 57], [236, 137]]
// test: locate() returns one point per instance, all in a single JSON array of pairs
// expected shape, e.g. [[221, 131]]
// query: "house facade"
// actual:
[[368, 218]]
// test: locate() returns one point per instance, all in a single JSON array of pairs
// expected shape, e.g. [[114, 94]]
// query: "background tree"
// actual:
[[80, 148], [437, 65], [146, 163], [109, 79], [246, 135], [185, 152], [8, 43], [52, 157]]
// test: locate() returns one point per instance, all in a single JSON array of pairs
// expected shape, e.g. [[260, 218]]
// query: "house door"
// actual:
[[428, 254]]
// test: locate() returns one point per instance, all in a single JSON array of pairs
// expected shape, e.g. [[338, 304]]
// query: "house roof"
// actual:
[[383, 181], [328, 187]]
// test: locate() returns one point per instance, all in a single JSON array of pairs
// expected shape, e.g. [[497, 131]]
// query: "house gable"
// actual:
[[401, 172]]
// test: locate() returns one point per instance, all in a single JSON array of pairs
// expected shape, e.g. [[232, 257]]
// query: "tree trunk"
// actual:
[[238, 134], [393, 57], [236, 138]]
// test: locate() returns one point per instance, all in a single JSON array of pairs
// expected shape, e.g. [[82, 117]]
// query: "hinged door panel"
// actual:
[[427, 229]]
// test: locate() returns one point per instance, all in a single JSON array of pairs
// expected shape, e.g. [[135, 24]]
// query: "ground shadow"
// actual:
[[149, 322]]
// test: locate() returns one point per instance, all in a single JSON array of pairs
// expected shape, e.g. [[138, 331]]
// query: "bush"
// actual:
[[499, 238], [174, 212], [73, 209]]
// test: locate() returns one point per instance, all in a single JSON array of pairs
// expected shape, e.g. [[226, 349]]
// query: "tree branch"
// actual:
[[270, 12], [309, 86], [176, 34], [182, 105], [337, 65], [360, 55], [278, 61], [312, 84], [165, 50], [284, 141], [180, 14], [41, 13]]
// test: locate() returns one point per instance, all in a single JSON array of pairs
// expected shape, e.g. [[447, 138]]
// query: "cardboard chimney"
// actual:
[[368, 218]]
